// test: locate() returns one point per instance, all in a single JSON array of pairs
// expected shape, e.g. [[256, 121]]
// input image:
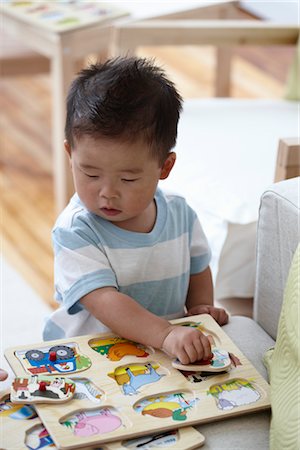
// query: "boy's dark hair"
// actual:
[[127, 98]]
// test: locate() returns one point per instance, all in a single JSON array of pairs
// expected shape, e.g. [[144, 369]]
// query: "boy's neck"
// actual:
[[144, 223]]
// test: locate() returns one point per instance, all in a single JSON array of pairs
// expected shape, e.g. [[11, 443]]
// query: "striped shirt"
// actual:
[[152, 268]]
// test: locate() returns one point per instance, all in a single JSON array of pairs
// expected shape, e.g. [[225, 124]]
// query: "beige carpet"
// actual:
[[22, 313]]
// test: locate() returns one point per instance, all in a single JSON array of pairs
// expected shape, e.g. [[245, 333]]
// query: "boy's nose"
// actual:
[[108, 191]]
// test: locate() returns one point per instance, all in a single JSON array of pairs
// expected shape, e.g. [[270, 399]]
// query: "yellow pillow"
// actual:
[[285, 368]]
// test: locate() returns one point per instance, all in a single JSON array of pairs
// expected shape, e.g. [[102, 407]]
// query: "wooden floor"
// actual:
[[27, 209]]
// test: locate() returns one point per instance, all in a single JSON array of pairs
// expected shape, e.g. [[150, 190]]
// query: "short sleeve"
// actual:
[[200, 251], [80, 266]]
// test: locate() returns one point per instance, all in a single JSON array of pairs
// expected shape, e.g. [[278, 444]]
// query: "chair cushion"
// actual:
[[247, 432], [285, 366], [251, 339]]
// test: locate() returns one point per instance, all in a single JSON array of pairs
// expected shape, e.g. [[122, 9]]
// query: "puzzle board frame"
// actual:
[[198, 402], [19, 421]]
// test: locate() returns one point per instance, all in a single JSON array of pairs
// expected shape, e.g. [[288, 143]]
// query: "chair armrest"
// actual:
[[288, 159], [277, 240]]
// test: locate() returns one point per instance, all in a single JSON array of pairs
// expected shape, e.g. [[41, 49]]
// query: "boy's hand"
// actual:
[[187, 344], [3, 375], [219, 314]]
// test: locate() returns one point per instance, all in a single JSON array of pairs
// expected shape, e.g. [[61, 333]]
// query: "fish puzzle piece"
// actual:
[[42, 389], [220, 362]]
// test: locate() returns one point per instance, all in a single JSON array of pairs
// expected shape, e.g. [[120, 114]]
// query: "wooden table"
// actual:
[[67, 39]]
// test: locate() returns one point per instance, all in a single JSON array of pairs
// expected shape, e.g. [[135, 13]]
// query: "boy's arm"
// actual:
[[200, 297], [128, 319]]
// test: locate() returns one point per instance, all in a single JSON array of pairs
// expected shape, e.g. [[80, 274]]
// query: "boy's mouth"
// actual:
[[110, 211]]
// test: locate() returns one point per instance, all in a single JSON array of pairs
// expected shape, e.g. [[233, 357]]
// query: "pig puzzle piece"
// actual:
[[220, 362], [41, 389]]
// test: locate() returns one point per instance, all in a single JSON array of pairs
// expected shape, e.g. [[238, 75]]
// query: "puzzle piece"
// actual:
[[220, 362], [57, 359], [41, 389]]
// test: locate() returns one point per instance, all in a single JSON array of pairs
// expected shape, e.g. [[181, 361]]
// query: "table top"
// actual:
[[59, 16], [62, 15]]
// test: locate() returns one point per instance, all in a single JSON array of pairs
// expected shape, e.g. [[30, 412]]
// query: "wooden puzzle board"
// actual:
[[22, 429], [141, 393]]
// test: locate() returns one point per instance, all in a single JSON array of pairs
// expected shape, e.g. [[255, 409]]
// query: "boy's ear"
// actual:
[[69, 151], [167, 166], [68, 148]]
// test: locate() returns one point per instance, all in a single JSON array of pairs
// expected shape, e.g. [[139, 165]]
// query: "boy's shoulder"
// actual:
[[174, 198], [73, 213], [171, 195]]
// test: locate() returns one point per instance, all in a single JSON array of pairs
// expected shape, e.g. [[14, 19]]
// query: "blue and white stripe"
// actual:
[[153, 268]]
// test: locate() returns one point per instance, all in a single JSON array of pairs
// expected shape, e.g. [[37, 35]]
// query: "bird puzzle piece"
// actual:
[[220, 362], [41, 389]]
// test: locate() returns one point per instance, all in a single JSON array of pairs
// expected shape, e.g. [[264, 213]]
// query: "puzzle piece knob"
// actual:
[[42, 386], [52, 356]]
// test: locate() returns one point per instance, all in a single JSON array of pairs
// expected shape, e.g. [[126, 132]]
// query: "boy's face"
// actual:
[[117, 180]]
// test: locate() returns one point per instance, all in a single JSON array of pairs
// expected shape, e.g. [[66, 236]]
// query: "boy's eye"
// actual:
[[129, 180], [91, 176]]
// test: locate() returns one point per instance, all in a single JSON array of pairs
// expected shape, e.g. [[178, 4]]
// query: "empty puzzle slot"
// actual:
[[87, 390], [91, 422], [38, 437], [133, 377], [176, 405], [116, 348], [199, 377], [234, 393]]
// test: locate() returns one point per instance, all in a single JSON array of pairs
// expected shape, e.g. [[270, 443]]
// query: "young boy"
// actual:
[[127, 256]]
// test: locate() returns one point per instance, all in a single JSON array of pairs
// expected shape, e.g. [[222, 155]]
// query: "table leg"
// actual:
[[62, 71]]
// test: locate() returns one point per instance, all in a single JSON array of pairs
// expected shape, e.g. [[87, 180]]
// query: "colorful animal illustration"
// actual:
[[133, 377], [137, 381], [41, 389], [173, 405], [116, 348], [90, 423], [128, 393], [54, 360], [118, 351], [234, 393]]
